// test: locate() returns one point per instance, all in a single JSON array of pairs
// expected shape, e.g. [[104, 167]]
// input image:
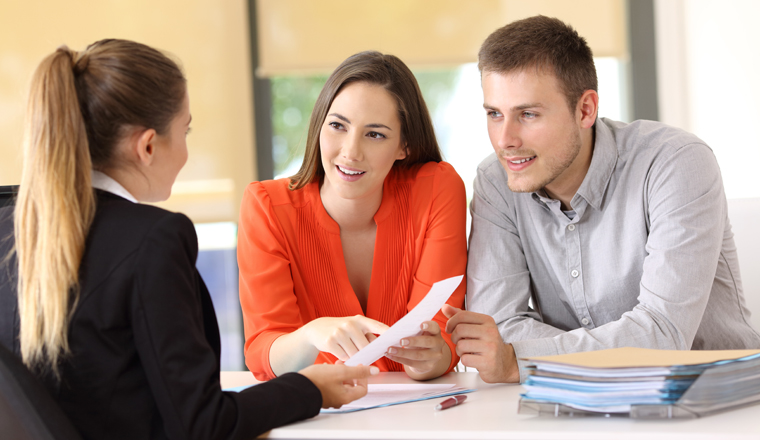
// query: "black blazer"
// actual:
[[144, 338]]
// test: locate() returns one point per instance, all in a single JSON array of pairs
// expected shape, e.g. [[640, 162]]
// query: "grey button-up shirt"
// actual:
[[648, 260]]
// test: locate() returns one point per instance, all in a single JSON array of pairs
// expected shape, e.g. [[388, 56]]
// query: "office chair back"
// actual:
[[27, 411], [8, 195]]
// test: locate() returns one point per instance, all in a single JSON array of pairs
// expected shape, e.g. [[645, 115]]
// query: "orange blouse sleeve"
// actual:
[[266, 286], [444, 252]]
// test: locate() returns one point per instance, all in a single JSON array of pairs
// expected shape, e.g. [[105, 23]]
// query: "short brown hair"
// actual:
[[395, 77], [543, 43]]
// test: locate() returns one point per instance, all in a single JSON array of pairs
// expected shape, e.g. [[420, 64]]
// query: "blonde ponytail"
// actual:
[[54, 210], [81, 106]]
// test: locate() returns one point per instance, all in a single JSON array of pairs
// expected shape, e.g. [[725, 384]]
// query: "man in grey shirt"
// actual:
[[588, 233]]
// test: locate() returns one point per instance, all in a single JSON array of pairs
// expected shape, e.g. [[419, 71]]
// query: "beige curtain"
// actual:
[[308, 36], [209, 37]]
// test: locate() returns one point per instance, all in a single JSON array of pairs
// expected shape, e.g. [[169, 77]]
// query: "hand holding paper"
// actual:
[[423, 353], [344, 336], [409, 325]]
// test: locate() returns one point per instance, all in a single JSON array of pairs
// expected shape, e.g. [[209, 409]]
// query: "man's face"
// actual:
[[535, 135]]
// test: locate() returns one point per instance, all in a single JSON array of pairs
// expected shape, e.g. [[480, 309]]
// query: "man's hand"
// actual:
[[339, 384], [479, 345]]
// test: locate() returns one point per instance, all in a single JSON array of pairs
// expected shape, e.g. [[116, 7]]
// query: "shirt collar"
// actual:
[[603, 161], [106, 183]]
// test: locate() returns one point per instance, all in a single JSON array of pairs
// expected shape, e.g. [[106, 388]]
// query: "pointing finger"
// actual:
[[371, 326]]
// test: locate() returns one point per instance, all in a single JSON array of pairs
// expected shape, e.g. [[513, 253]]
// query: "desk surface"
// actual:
[[491, 413]]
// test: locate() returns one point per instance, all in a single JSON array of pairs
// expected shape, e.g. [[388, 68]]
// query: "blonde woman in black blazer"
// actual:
[[111, 313]]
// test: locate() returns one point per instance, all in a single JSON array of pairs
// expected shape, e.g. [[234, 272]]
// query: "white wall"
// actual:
[[708, 63], [744, 214]]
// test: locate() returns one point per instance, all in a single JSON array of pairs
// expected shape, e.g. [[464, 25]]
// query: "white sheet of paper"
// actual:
[[391, 394], [409, 325]]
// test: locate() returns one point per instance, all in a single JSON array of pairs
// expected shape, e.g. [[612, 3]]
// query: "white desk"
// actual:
[[491, 413]]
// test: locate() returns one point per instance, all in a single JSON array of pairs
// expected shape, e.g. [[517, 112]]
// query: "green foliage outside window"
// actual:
[[293, 99]]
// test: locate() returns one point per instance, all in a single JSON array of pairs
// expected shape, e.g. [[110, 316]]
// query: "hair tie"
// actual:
[[79, 60]]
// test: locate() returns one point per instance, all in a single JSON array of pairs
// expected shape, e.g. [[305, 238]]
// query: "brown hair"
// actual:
[[395, 77], [546, 44], [81, 104]]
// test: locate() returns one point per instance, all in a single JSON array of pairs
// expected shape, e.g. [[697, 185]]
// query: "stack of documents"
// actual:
[[642, 382]]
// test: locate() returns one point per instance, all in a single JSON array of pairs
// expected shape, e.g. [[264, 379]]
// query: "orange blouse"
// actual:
[[292, 269]]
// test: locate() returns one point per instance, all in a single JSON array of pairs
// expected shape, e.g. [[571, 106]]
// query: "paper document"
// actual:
[[409, 325], [629, 357], [379, 395]]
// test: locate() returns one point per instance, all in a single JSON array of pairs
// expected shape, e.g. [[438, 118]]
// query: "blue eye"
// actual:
[[493, 114], [529, 115]]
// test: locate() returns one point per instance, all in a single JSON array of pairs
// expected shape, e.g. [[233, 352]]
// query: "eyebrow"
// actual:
[[345, 119], [527, 106], [516, 108]]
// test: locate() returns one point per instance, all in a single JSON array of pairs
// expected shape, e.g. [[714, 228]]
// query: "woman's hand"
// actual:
[[342, 337], [339, 384], [425, 356]]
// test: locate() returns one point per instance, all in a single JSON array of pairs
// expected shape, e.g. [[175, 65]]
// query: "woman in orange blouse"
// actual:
[[352, 242]]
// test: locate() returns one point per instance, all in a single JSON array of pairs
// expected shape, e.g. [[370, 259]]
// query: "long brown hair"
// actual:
[[395, 77], [81, 104]]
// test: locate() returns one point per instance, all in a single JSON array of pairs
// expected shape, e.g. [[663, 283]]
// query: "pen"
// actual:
[[451, 401]]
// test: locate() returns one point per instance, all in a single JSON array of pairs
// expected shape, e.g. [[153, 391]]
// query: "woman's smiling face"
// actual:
[[360, 140]]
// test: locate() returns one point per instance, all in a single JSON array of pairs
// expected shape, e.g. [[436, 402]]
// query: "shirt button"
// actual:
[[570, 227], [585, 321], [574, 273]]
